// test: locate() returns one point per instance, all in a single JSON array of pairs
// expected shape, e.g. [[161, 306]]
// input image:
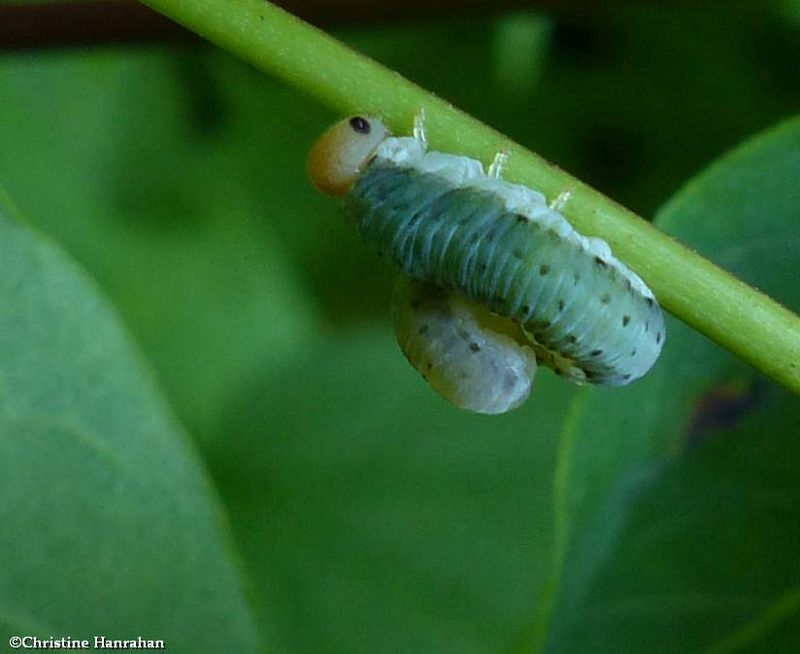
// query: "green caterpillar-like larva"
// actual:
[[441, 219]]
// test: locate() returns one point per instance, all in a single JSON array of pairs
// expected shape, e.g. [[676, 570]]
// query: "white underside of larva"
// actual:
[[449, 340], [464, 172]]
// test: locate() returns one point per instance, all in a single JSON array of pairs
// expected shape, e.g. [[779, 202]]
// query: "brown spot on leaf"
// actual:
[[723, 406]]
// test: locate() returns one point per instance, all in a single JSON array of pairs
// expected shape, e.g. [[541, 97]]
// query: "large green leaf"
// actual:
[[699, 558], [109, 526], [700, 552]]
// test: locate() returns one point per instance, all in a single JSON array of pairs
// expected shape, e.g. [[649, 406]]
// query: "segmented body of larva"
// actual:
[[441, 219]]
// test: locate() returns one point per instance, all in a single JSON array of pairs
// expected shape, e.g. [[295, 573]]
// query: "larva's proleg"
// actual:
[[441, 219], [466, 354]]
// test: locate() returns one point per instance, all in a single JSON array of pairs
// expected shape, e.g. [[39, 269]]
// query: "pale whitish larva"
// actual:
[[470, 356], [442, 219]]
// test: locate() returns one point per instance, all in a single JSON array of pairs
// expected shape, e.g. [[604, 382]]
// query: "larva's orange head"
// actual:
[[341, 153]]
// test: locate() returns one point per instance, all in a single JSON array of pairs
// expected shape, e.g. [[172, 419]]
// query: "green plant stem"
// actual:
[[736, 316]]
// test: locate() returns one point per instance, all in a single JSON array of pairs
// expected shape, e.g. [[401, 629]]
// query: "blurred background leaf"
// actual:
[[680, 559], [107, 515], [371, 516], [382, 519], [128, 162]]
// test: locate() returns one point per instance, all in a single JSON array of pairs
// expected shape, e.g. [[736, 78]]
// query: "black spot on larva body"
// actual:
[[521, 220], [633, 352], [600, 262], [596, 353], [573, 339], [590, 374], [649, 301], [544, 269], [646, 326], [576, 278], [626, 376], [526, 309], [474, 347], [360, 125], [561, 305], [510, 382], [605, 298], [423, 330], [628, 285], [658, 337], [625, 320]]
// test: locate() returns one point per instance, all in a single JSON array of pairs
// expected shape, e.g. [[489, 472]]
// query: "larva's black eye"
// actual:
[[360, 125]]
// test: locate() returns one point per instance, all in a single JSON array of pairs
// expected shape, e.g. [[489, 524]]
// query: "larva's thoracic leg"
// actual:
[[475, 360], [496, 167], [560, 201], [419, 128]]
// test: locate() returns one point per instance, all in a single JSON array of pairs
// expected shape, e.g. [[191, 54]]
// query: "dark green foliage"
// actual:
[[700, 547], [351, 509]]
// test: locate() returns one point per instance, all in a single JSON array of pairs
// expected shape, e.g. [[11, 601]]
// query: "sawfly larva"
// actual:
[[443, 220]]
